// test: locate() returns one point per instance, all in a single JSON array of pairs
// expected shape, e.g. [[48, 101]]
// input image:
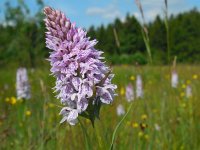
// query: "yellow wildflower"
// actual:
[[28, 113], [195, 76], [188, 81], [183, 105], [146, 136], [13, 100], [182, 94], [132, 78], [144, 117], [128, 123], [7, 100], [183, 86], [87, 121], [122, 91], [51, 105], [135, 125], [140, 134], [143, 125]]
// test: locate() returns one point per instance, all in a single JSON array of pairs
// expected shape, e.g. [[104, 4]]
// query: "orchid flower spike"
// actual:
[[83, 81]]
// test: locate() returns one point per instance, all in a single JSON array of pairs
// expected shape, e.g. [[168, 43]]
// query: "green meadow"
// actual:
[[163, 119]]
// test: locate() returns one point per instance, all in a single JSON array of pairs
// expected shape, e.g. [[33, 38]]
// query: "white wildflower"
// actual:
[[22, 84]]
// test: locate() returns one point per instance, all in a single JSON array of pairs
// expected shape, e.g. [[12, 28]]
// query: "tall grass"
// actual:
[[167, 30], [177, 116], [144, 31]]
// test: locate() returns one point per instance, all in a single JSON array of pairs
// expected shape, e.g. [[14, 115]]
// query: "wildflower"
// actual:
[[51, 105], [174, 79], [70, 115], [87, 121], [28, 113], [128, 123], [188, 91], [13, 100], [144, 117], [139, 88], [83, 81], [132, 78], [188, 82], [7, 100], [182, 94], [140, 134], [143, 125], [195, 76], [146, 136], [129, 93], [183, 105], [157, 127], [122, 91], [120, 110], [183, 86], [135, 125], [22, 84]]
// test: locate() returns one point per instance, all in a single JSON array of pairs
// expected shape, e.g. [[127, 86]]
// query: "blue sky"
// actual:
[[96, 12]]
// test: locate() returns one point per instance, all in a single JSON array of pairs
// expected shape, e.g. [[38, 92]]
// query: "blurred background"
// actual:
[[115, 24]]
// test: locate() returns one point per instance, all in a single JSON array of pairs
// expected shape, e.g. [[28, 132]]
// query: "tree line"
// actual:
[[129, 47], [23, 41]]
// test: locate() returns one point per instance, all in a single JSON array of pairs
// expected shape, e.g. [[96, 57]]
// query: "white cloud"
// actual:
[[109, 12], [160, 2], [152, 8], [95, 11]]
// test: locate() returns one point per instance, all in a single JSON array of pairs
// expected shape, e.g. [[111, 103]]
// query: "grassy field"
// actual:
[[163, 119]]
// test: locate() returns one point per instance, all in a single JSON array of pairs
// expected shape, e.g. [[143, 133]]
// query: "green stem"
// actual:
[[118, 125], [167, 31], [86, 137], [168, 44], [147, 45]]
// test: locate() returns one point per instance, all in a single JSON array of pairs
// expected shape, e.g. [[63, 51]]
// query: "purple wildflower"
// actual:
[[188, 91], [157, 127], [83, 81], [129, 93], [120, 110], [139, 88], [22, 84], [174, 79]]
